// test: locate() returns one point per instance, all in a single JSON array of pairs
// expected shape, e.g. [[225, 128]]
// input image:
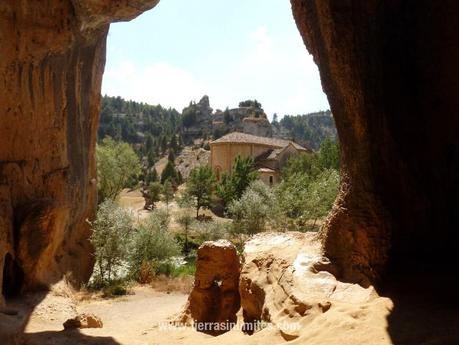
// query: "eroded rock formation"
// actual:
[[284, 291], [390, 71], [215, 296], [51, 66]]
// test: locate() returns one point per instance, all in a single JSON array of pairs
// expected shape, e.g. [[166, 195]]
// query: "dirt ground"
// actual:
[[138, 319], [143, 319]]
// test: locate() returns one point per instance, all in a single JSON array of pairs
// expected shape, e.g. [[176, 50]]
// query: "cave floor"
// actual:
[[403, 319]]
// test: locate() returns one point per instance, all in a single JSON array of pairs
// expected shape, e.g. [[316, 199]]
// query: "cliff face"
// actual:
[[51, 68], [390, 70]]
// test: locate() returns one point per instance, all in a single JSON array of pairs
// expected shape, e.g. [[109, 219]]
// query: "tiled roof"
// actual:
[[237, 137]]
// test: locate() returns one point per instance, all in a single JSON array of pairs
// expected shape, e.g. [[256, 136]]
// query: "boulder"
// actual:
[[83, 321], [283, 283], [214, 299]]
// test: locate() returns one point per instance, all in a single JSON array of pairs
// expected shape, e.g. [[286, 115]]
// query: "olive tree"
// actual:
[[111, 232], [117, 163]]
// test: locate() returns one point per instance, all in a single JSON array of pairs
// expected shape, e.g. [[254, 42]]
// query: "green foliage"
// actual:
[[227, 116], [252, 211], [234, 184], [186, 221], [151, 176], [200, 185], [213, 231], [152, 243], [170, 173], [117, 163], [310, 128], [189, 116], [329, 154], [218, 133], [308, 189], [123, 120], [250, 103], [306, 164], [152, 194], [167, 192], [111, 232]]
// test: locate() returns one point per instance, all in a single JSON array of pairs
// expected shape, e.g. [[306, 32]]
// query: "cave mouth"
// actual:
[[13, 277]]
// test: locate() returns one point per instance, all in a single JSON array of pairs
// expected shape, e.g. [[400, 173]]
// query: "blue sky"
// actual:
[[229, 50]]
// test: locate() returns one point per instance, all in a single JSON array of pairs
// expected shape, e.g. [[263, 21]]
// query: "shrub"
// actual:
[[152, 244], [252, 211], [111, 233], [212, 231], [300, 199]]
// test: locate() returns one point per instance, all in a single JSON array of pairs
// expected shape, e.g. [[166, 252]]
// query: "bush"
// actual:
[[252, 211], [111, 233], [152, 244], [212, 231], [301, 199]]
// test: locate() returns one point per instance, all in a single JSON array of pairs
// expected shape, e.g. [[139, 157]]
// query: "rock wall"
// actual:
[[53, 55], [391, 75]]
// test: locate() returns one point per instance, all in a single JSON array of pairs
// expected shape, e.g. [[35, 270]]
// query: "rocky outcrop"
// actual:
[[214, 299], [197, 120], [283, 289], [282, 282], [390, 72], [53, 57], [248, 120], [190, 158]]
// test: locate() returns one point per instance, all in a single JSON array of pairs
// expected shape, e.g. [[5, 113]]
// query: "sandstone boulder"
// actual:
[[83, 321], [215, 296], [281, 283]]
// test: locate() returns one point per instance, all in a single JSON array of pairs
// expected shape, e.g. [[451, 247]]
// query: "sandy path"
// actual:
[[130, 320], [127, 320]]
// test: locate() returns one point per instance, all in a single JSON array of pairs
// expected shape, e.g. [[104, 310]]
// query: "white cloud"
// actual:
[[279, 73], [159, 83]]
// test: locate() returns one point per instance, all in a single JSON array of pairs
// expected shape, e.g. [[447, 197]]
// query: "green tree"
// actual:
[[252, 211], [185, 218], [200, 185], [227, 116], [306, 163], [149, 143], [234, 184], [163, 143], [152, 194], [167, 193], [117, 163], [329, 154], [189, 116], [173, 145], [170, 173], [250, 103], [111, 233], [152, 244]]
